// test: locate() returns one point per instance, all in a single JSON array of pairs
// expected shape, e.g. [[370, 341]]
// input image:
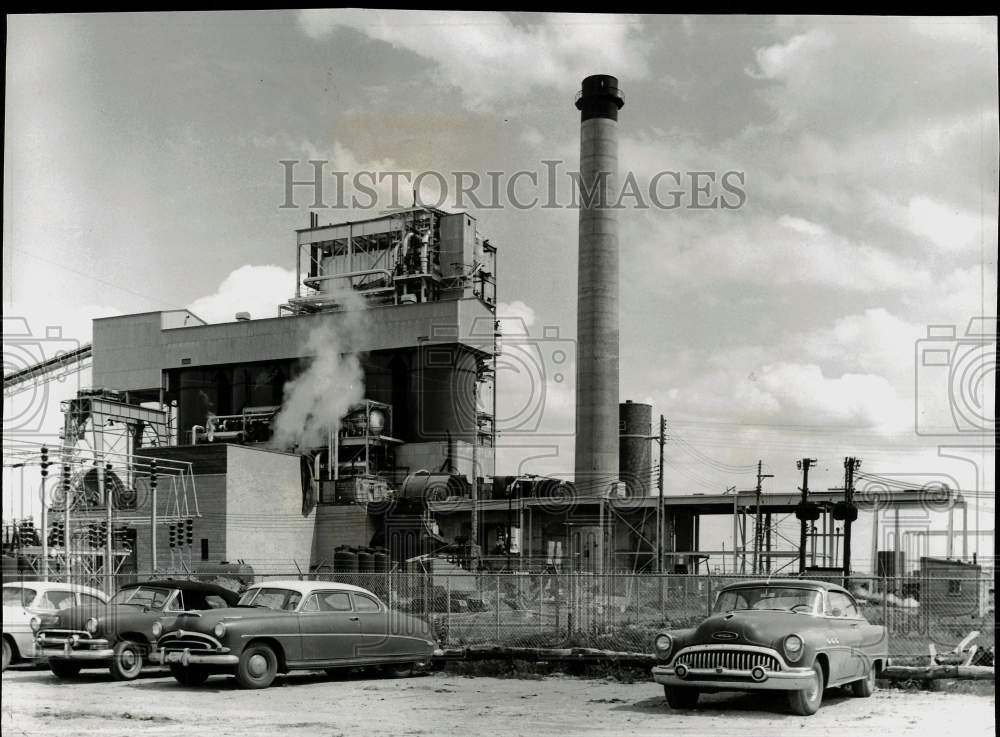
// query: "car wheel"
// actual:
[[681, 697], [866, 686], [192, 675], [126, 663], [8, 653], [257, 667], [64, 668], [404, 670], [807, 701]]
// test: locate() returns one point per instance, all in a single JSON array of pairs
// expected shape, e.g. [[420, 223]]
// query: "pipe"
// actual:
[[310, 281], [194, 433]]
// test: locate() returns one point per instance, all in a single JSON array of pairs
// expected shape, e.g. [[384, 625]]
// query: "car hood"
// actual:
[[761, 627], [205, 620]]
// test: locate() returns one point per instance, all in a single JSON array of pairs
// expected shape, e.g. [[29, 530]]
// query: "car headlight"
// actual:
[[793, 647], [157, 629], [35, 624], [219, 629], [91, 625], [663, 645]]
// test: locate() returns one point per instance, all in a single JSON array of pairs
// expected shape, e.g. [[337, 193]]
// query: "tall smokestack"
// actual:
[[597, 287]]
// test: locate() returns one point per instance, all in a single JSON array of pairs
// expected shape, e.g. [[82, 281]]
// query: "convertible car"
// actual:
[[781, 635], [120, 636], [281, 626], [26, 599]]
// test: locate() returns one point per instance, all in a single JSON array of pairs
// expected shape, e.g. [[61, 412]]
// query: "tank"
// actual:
[[366, 561], [635, 422], [345, 560], [433, 486], [380, 560]]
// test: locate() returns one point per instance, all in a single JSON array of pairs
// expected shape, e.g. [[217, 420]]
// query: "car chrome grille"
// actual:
[[729, 659], [189, 641]]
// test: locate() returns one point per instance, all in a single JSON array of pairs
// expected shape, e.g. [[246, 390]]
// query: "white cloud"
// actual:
[[802, 226], [254, 289], [785, 59], [949, 228], [489, 57]]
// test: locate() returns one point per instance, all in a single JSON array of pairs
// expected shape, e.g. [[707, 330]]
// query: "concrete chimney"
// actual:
[[596, 465]]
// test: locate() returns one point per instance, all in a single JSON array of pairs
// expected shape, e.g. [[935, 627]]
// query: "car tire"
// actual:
[[681, 697], [866, 686], [8, 653], [191, 675], [404, 670], [806, 701], [257, 668], [126, 663], [64, 668]]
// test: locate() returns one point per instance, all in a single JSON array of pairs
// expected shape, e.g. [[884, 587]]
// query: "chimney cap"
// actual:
[[600, 97], [242, 316]]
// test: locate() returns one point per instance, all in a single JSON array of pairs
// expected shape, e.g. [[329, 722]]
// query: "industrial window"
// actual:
[[954, 587], [204, 548]]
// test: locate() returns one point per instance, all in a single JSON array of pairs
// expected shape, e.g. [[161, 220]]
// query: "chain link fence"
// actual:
[[623, 612]]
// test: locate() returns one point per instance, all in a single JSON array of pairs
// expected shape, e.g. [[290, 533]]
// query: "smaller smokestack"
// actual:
[[242, 316]]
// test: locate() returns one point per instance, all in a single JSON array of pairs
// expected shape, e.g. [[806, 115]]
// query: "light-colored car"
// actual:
[[23, 600]]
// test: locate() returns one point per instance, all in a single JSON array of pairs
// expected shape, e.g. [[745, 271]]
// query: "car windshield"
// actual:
[[780, 598], [148, 597], [18, 596], [271, 598]]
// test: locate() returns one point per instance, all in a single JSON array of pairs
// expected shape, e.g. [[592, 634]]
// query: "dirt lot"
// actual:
[[34, 703]]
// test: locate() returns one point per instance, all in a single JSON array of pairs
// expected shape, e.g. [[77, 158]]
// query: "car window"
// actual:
[[272, 598], [312, 604], [334, 601], [90, 601], [839, 604], [142, 596], [364, 603], [214, 601], [18, 596], [176, 604], [55, 599], [768, 597]]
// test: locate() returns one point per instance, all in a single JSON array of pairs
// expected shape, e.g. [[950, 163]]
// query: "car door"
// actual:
[[386, 634], [845, 627], [329, 626]]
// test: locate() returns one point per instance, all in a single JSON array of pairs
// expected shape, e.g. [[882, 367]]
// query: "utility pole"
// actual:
[[45, 516], [804, 465], [659, 505], [850, 466], [758, 532]]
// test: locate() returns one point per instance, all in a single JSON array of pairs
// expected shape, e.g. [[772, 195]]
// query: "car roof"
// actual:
[[56, 586], [797, 582], [307, 587], [185, 584]]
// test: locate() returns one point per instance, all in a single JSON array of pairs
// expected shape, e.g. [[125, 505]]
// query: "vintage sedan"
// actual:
[[281, 626], [23, 600], [780, 635], [122, 635]]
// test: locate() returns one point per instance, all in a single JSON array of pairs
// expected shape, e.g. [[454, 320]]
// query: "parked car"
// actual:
[[23, 600], [122, 635], [281, 626], [780, 635]]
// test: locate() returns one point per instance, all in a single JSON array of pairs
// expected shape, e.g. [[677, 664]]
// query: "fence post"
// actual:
[[709, 595], [497, 577], [447, 621], [885, 604]]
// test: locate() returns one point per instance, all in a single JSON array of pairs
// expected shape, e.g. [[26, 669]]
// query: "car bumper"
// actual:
[[189, 657], [722, 679], [73, 648]]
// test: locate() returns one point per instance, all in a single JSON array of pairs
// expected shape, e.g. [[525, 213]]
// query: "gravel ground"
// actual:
[[34, 703]]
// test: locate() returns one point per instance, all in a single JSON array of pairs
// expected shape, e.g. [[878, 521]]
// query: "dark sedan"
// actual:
[[281, 626], [121, 636], [781, 635]]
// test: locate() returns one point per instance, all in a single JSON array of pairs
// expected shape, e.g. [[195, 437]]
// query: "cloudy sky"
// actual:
[[141, 173]]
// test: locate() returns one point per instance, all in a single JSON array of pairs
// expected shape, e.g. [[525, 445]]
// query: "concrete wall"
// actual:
[[264, 524], [130, 351], [340, 524]]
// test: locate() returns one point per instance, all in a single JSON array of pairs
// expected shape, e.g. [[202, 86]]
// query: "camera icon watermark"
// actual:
[[30, 362], [956, 379]]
